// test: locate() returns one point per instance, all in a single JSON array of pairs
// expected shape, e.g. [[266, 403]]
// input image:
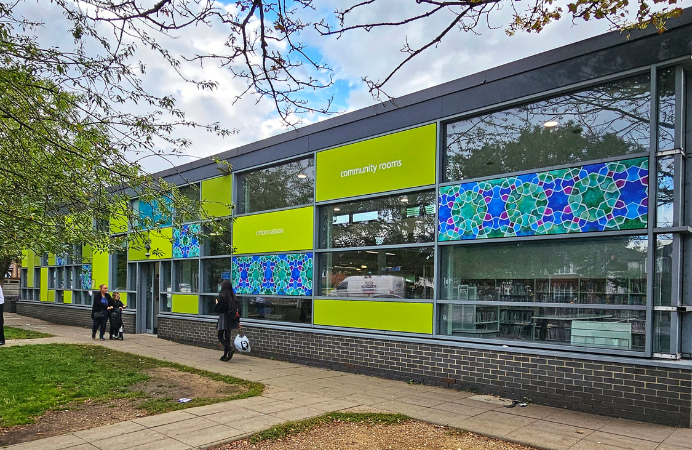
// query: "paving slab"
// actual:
[[550, 435], [598, 439], [640, 430]]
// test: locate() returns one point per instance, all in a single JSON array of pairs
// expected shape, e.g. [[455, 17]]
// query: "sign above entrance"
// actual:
[[278, 231], [397, 161]]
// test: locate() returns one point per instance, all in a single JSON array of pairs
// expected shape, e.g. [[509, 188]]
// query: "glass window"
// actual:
[[600, 271], [23, 276], [132, 277], [279, 309], [37, 277], [665, 191], [167, 286], [599, 122], [214, 272], [663, 281], [218, 241], [120, 274], [132, 301], [60, 278], [618, 329], [666, 109], [191, 193], [187, 276], [662, 329], [397, 219], [69, 278], [52, 278], [281, 186], [386, 273]]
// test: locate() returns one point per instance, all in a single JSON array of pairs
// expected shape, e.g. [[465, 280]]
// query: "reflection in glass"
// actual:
[[397, 219], [599, 122], [186, 276], [618, 329], [663, 281], [279, 309], [586, 271], [281, 186], [665, 191], [662, 324], [390, 273], [120, 274], [190, 213], [214, 271], [218, 242], [666, 109]]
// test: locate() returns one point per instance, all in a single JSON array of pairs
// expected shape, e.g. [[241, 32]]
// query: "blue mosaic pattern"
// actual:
[[289, 274], [85, 276], [594, 197], [153, 211], [186, 241], [59, 261]]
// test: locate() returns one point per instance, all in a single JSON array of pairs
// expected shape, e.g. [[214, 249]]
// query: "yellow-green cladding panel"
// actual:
[[188, 304], [278, 231], [400, 160], [99, 269], [216, 196], [25, 258], [123, 298], [388, 316], [118, 223], [67, 297], [161, 246], [51, 259], [44, 284], [51, 296]]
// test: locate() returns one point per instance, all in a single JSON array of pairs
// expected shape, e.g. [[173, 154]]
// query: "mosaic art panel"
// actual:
[[85, 276], [594, 197], [60, 261], [186, 241], [289, 274]]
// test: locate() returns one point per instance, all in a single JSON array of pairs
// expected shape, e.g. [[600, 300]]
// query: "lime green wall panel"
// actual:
[[87, 254], [37, 259], [30, 277], [217, 195], [99, 269], [51, 296], [44, 284], [390, 316], [25, 258], [278, 231], [160, 240], [118, 223], [67, 297], [123, 298], [400, 160], [188, 304], [51, 259]]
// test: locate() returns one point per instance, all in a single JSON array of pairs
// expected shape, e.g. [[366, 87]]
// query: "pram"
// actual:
[[116, 319]]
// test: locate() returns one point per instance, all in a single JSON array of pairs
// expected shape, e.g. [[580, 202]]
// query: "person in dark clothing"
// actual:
[[100, 307], [116, 317], [2, 319], [228, 308]]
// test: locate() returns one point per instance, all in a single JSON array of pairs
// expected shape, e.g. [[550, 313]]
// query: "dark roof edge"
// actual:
[[556, 55]]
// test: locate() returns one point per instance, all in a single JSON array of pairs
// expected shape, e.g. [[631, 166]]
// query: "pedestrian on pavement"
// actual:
[[228, 308], [116, 317], [2, 319], [100, 307]]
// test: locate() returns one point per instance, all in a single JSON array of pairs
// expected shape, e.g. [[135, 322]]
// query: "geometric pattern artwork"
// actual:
[[85, 276], [186, 241], [154, 211], [288, 274], [594, 197], [60, 261]]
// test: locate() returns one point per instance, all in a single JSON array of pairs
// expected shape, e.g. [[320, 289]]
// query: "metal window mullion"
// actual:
[[440, 150], [651, 254]]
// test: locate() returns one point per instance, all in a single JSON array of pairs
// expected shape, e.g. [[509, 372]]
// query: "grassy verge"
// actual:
[[292, 428], [18, 333], [37, 378]]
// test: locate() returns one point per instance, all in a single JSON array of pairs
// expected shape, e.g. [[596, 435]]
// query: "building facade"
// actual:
[[523, 231]]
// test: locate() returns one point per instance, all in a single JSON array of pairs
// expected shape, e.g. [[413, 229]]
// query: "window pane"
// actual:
[[218, 242], [663, 281], [599, 271], [662, 324], [120, 274], [604, 121], [165, 275], [296, 310], [187, 276], [597, 328], [665, 191], [397, 219], [69, 278], [132, 277], [214, 271], [289, 184], [190, 214], [666, 109], [387, 273]]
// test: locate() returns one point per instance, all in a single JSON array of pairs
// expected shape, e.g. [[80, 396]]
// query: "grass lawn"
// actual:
[[18, 333], [36, 378]]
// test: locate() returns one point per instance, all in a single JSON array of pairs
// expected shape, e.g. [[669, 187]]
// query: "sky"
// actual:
[[352, 57]]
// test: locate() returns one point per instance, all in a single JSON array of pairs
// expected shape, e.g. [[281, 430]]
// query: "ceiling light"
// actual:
[[363, 266], [390, 254], [404, 199], [371, 251], [302, 176], [337, 209], [551, 124]]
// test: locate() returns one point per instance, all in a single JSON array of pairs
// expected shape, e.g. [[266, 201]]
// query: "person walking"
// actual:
[[228, 308], [116, 317], [100, 307], [2, 319]]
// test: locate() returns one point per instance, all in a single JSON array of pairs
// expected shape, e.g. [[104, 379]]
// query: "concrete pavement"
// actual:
[[295, 392]]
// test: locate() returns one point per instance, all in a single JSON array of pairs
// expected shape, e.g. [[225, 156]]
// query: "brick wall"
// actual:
[[662, 395], [68, 315]]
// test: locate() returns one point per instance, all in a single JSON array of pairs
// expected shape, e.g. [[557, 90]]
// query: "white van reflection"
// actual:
[[380, 286]]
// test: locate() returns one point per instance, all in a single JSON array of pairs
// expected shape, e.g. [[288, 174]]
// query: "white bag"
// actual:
[[242, 343]]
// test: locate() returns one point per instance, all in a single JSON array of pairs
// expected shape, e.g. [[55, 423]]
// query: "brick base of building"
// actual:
[[69, 315], [628, 390]]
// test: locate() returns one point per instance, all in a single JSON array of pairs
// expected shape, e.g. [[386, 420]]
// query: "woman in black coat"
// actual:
[[228, 308], [100, 307]]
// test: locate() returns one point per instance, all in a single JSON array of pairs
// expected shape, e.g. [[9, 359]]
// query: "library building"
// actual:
[[522, 232]]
